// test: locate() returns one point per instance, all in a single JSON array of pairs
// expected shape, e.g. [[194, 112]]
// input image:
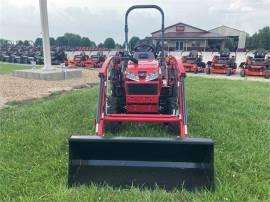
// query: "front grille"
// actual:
[[142, 89]]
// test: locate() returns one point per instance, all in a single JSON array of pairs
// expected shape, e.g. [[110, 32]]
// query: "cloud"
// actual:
[[101, 19]]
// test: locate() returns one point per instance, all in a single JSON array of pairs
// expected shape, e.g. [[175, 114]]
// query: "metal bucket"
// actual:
[[143, 162]]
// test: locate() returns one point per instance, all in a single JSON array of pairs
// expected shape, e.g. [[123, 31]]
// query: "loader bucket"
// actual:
[[142, 162]]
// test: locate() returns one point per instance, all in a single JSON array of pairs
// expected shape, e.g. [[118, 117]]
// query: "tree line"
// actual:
[[75, 40], [260, 39]]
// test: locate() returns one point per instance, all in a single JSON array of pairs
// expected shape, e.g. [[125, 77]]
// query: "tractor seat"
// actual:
[[144, 56]]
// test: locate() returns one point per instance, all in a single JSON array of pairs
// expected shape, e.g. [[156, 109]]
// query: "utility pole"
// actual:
[[45, 34]]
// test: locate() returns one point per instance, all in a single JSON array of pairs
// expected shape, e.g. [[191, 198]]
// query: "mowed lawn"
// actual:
[[8, 68], [235, 114]]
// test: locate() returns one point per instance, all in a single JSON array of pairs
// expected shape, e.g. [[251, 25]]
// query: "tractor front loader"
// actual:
[[142, 87]]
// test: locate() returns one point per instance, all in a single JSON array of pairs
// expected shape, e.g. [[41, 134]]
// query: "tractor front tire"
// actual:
[[242, 73], [228, 72], [267, 74], [207, 70], [113, 108], [172, 106]]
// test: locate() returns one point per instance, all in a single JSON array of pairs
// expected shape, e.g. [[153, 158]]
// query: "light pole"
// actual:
[[45, 34]]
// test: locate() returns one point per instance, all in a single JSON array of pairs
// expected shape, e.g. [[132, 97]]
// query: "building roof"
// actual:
[[198, 34], [191, 35], [179, 23], [224, 26]]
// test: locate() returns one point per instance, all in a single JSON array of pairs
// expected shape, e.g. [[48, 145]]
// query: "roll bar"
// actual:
[[162, 25]]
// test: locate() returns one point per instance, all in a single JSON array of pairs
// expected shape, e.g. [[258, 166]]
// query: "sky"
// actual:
[[99, 19]]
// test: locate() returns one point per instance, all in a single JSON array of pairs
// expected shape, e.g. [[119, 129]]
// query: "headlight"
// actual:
[[152, 76], [132, 76]]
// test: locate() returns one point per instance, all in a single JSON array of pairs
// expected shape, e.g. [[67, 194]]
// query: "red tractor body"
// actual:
[[143, 94], [149, 101]]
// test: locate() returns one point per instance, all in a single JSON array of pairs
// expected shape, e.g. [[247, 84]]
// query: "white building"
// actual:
[[228, 32]]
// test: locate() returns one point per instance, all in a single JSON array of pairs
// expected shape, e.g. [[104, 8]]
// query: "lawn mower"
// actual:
[[75, 61], [81, 60], [257, 66], [98, 59], [58, 56], [142, 87], [222, 64], [193, 62]]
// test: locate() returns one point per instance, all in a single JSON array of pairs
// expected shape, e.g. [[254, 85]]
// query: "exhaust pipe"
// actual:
[[142, 162]]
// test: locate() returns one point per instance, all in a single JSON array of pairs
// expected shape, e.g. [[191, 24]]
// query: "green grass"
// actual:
[[8, 68], [34, 149]]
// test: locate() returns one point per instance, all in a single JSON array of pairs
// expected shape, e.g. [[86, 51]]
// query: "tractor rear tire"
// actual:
[[267, 74], [113, 108], [228, 72]]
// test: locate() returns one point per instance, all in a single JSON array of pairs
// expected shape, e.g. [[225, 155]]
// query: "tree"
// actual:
[[52, 41], [109, 43], [93, 44], [132, 42], [61, 41], [73, 39], [26, 43], [38, 42], [118, 46], [20, 42], [100, 45], [3, 42], [85, 41], [260, 39]]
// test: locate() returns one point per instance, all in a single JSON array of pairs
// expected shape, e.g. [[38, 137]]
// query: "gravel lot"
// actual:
[[18, 89]]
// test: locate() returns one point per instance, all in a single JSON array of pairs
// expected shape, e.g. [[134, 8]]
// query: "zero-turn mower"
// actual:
[[142, 87], [76, 61], [83, 60], [193, 62], [98, 60], [222, 64], [258, 65]]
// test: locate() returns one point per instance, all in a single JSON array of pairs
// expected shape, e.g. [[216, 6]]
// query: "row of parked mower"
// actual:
[[224, 63], [26, 54]]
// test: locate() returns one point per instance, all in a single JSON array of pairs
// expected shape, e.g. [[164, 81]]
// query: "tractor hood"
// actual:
[[147, 70], [143, 65]]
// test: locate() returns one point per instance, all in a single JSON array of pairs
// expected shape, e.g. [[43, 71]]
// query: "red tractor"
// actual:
[[193, 62], [222, 64], [141, 87], [257, 66]]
